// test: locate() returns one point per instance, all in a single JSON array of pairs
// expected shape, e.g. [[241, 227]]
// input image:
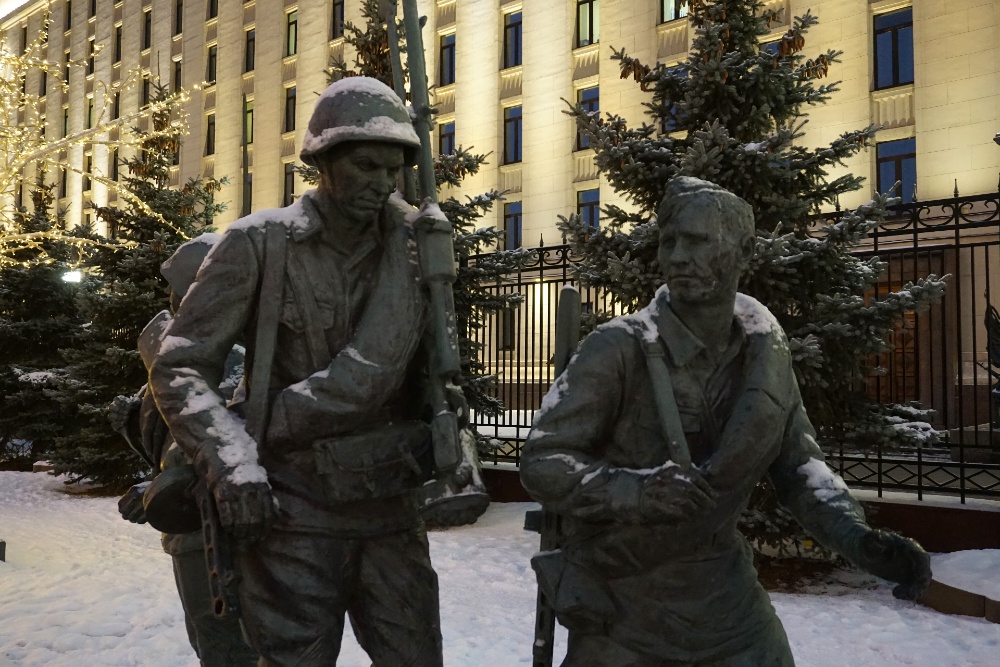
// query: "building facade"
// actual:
[[928, 72]]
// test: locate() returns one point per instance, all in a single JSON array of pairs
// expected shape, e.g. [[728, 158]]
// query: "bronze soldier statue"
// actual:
[[218, 642], [649, 445], [316, 490]]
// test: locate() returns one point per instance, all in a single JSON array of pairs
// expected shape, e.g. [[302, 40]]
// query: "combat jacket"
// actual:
[[683, 591]]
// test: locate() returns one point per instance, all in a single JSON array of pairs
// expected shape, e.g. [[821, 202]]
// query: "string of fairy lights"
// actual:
[[25, 146]]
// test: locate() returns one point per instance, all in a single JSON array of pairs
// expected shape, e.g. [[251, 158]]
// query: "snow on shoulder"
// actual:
[[293, 217], [754, 316]]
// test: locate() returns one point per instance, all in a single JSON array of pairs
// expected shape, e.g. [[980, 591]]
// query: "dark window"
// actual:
[[210, 134], [147, 29], [62, 183], [288, 196], [146, 88], [118, 43], [670, 122], [770, 47], [291, 33], [178, 78], [69, 18], [19, 202], [114, 164], [512, 39], [248, 119], [512, 225], [290, 109], [178, 17], [88, 166], [43, 84], [213, 8], [512, 135], [213, 57], [90, 112], [247, 194], [588, 22], [588, 207], [337, 25], [446, 138], [66, 76], [250, 50], [24, 39], [93, 8], [590, 100], [894, 49], [116, 106], [65, 122], [671, 10], [897, 161], [446, 75], [90, 55]]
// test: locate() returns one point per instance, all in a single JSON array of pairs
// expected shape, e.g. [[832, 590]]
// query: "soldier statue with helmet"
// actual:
[[317, 487]]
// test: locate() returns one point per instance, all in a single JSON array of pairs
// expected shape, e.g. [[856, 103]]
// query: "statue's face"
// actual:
[[699, 256], [358, 178]]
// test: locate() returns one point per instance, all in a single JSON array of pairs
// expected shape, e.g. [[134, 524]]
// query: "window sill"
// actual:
[[586, 49], [513, 70], [893, 90]]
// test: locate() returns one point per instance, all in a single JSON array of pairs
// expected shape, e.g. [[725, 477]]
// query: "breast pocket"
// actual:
[[290, 316]]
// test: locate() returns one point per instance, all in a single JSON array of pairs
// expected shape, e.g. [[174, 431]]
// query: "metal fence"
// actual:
[[938, 358]]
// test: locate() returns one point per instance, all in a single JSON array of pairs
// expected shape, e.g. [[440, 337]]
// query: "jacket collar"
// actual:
[[682, 344]]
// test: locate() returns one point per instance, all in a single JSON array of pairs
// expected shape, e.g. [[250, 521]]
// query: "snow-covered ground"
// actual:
[[82, 587]]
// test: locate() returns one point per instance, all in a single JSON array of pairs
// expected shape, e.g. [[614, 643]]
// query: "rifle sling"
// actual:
[[666, 404], [268, 311]]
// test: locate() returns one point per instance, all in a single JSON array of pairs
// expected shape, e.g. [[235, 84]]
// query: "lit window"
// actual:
[[512, 39], [446, 138], [897, 161], [512, 135], [291, 33], [447, 69], [894, 49], [588, 22], [590, 100], [671, 10], [588, 207], [512, 225]]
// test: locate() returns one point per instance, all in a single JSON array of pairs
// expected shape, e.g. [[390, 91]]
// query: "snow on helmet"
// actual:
[[358, 108]]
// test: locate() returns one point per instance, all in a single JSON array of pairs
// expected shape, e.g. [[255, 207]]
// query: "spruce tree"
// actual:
[[122, 291], [38, 318], [733, 113]]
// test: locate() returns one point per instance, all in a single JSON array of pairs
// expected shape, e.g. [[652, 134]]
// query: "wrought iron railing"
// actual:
[[938, 358]]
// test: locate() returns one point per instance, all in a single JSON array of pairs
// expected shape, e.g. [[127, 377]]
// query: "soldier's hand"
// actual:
[[891, 556], [245, 510], [130, 505], [674, 494]]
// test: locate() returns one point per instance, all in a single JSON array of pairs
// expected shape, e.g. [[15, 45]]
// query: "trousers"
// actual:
[[298, 585], [217, 642]]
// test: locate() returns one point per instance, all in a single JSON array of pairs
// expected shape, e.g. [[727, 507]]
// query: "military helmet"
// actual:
[[358, 108]]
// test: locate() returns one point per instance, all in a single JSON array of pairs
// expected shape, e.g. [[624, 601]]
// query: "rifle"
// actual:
[[434, 241], [545, 522]]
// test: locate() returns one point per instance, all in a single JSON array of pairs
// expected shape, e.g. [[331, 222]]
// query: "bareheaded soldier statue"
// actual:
[[649, 445]]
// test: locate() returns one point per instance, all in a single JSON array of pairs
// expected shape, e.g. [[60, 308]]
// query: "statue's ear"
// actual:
[[747, 249]]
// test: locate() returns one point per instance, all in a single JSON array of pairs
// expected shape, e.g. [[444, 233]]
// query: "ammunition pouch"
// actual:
[[579, 597], [378, 463]]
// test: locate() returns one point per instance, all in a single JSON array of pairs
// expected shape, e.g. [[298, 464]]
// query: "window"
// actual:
[[90, 112], [590, 100], [291, 33], [116, 106], [93, 8], [213, 8], [62, 183], [178, 76], [213, 56], [69, 18], [446, 75], [43, 84], [290, 109], [90, 55], [178, 16], [248, 120], [288, 195], [250, 50], [671, 10], [894, 49], [337, 24], [588, 22], [897, 161], [24, 39], [512, 39], [512, 135], [588, 207], [114, 164], [247, 194], [147, 29], [65, 124], [210, 134], [118, 43], [512, 225], [88, 166], [66, 76], [146, 85], [446, 138]]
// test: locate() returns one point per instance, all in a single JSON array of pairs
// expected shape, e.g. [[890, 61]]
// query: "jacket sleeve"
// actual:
[[186, 373], [562, 465], [816, 496]]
